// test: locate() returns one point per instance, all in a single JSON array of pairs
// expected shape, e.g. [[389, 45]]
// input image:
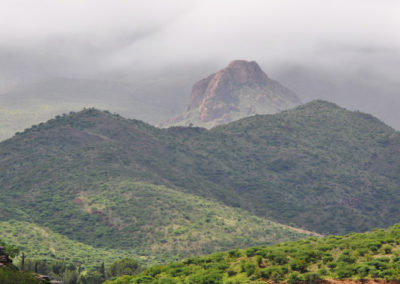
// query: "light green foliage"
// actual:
[[244, 267]]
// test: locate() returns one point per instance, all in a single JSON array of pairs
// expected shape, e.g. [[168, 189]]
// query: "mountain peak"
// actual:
[[240, 89]]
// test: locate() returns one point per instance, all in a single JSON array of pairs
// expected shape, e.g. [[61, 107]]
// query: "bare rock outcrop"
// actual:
[[239, 90]]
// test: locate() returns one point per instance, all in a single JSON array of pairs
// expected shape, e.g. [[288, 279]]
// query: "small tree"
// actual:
[[102, 271], [126, 266]]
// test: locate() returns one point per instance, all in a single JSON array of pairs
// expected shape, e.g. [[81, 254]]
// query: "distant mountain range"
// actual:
[[241, 89], [33, 103], [115, 183]]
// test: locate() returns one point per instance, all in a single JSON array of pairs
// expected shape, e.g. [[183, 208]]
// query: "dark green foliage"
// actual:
[[60, 270], [249, 268], [12, 276], [299, 265], [124, 266], [90, 277]]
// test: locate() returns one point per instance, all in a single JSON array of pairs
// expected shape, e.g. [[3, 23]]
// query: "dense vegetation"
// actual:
[[372, 255], [165, 194], [69, 273], [11, 275]]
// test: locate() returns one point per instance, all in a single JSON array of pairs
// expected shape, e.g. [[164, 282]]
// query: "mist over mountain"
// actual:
[[162, 53], [122, 137]]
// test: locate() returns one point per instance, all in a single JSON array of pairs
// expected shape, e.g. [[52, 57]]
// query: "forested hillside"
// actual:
[[115, 183]]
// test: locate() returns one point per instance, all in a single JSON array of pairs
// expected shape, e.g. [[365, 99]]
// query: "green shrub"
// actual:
[[299, 265], [387, 249], [345, 270], [294, 278]]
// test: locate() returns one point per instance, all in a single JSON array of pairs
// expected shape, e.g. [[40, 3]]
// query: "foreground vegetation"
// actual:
[[372, 255]]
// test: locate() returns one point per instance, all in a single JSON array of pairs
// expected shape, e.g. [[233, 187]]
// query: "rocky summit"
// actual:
[[241, 89]]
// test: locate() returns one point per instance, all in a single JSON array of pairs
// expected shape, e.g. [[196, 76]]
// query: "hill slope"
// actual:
[[93, 177], [151, 223], [241, 89], [373, 255], [112, 182]]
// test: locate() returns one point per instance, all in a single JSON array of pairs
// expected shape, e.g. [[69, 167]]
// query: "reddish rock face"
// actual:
[[216, 96], [222, 84], [241, 89]]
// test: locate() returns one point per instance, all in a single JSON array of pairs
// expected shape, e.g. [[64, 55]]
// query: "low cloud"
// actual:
[[345, 40]]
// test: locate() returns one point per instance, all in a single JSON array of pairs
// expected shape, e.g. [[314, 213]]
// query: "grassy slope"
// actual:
[[315, 166], [372, 255]]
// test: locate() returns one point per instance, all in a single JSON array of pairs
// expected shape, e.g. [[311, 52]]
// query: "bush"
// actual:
[[206, 277], [299, 265], [249, 268], [387, 249], [294, 278], [345, 270]]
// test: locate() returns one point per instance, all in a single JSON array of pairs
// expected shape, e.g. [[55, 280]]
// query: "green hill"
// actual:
[[319, 166], [372, 255], [165, 194]]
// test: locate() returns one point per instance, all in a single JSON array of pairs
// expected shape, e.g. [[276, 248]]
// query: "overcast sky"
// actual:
[[78, 38], [119, 33]]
